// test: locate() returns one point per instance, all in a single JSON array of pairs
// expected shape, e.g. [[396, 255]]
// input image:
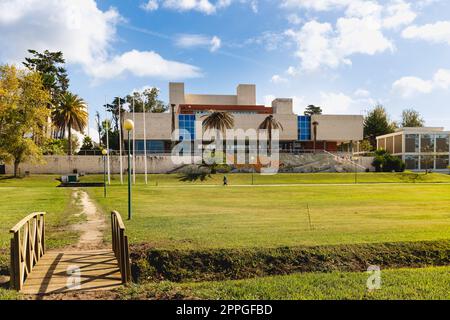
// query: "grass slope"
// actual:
[[396, 284]]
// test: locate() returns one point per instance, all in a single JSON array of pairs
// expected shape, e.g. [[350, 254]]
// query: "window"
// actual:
[[153, 146], [442, 143], [442, 162], [427, 143], [412, 143], [304, 128], [426, 162], [412, 162], [187, 122]]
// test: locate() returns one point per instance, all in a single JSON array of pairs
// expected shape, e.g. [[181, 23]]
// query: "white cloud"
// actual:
[[293, 18], [270, 40], [83, 32], [278, 79], [335, 103], [150, 5], [359, 31], [198, 40], [292, 71], [321, 5], [410, 86], [204, 6], [438, 32], [361, 93], [268, 100]]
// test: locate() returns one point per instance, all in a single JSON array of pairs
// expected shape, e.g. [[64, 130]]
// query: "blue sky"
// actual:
[[344, 55]]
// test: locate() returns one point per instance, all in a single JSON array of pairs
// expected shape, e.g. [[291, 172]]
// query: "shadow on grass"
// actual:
[[194, 176]]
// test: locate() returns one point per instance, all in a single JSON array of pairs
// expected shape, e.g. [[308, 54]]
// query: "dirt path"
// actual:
[[92, 229]]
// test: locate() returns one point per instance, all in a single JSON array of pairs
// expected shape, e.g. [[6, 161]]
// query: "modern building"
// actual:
[[297, 133], [420, 148]]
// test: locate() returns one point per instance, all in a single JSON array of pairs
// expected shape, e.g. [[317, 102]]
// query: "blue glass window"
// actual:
[[187, 122], [153, 146], [304, 128]]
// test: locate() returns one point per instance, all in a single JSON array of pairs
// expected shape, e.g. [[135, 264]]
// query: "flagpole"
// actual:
[[134, 147], [120, 142], [145, 145], [107, 124]]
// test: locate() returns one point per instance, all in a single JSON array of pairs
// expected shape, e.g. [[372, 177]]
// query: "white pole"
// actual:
[[145, 145], [107, 124], [120, 143], [134, 147]]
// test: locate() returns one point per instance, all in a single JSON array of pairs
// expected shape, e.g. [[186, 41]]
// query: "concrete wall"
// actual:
[[246, 94], [93, 164], [289, 123], [283, 106], [339, 127], [210, 99], [158, 125]]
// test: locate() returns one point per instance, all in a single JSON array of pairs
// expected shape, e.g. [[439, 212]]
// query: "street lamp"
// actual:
[[253, 169], [104, 153], [356, 169], [129, 126]]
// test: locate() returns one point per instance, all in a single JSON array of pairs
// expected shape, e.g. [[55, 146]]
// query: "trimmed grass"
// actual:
[[185, 216], [431, 283], [21, 197], [283, 178]]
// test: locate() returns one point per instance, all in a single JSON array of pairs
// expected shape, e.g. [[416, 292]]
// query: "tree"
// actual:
[[115, 107], [23, 114], [147, 100], [385, 162], [312, 109], [219, 121], [71, 114], [99, 126], [377, 123], [49, 65], [270, 123], [315, 125], [411, 119]]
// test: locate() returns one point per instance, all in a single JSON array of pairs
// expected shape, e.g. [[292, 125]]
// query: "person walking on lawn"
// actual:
[[225, 180]]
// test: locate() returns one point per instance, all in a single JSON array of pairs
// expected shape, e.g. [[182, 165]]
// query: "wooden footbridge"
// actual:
[[33, 270]]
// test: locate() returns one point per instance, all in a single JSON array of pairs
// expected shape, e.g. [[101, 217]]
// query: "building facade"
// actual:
[[297, 134], [420, 148]]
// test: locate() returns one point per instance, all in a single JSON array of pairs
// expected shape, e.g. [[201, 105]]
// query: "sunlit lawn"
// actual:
[[398, 284], [201, 215]]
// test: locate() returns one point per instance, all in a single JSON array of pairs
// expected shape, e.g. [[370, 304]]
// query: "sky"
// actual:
[[343, 55]]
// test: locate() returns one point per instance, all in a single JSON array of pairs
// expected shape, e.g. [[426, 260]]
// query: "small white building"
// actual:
[[426, 148]]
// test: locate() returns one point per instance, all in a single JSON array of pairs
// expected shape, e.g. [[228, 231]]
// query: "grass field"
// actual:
[[190, 216], [21, 197], [399, 284], [284, 178], [286, 210]]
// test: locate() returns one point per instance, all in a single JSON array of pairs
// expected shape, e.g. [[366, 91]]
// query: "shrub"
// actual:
[[385, 162]]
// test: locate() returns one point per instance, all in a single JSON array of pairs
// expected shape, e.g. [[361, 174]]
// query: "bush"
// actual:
[[385, 162], [53, 147]]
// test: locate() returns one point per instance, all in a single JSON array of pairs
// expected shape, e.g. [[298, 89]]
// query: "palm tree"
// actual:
[[172, 110], [70, 114], [219, 121], [269, 124], [315, 124]]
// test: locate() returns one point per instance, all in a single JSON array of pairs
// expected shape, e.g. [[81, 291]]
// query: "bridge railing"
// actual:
[[120, 246], [27, 247]]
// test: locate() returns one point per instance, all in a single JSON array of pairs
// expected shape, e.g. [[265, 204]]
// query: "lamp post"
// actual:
[[129, 126], [104, 153], [253, 169], [356, 169]]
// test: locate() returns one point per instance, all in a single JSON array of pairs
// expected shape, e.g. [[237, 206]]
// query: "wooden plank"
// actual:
[[98, 270]]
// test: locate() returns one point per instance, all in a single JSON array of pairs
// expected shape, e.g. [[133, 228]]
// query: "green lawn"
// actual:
[[285, 178], [195, 216], [21, 197], [398, 284]]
